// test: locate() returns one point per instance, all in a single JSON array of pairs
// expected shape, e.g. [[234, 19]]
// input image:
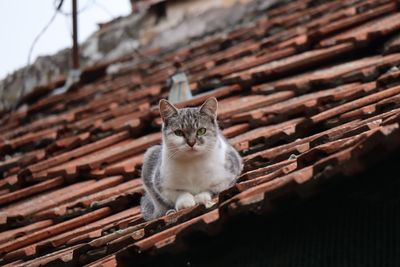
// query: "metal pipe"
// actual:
[[75, 46]]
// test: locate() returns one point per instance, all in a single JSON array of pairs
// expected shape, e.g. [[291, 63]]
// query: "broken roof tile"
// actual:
[[392, 45]]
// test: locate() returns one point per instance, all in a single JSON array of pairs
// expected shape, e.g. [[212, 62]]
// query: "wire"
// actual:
[[44, 29], [102, 7], [58, 10], [89, 4]]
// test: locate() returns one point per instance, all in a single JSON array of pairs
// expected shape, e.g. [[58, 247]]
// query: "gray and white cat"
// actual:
[[194, 163]]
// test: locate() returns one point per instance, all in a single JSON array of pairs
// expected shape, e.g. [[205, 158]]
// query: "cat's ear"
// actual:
[[167, 110], [210, 107]]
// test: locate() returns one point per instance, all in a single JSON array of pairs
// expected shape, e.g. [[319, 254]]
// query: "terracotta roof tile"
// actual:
[[267, 134], [47, 135], [53, 230], [9, 163], [68, 142], [62, 239], [25, 192], [332, 75], [89, 199], [286, 65], [8, 182], [356, 104], [77, 152], [14, 233], [305, 92], [245, 63], [366, 32], [128, 166], [346, 22], [251, 102], [393, 44]]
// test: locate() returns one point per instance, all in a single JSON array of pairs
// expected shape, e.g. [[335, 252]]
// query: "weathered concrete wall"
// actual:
[[184, 21]]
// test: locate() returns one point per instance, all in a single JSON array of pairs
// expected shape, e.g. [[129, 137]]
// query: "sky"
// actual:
[[22, 20]]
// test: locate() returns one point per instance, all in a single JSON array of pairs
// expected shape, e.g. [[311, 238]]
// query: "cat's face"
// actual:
[[189, 132]]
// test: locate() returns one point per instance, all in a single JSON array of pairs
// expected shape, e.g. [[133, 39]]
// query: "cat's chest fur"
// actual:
[[197, 175]]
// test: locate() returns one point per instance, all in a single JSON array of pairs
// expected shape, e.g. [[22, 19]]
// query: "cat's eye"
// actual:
[[178, 132], [201, 131]]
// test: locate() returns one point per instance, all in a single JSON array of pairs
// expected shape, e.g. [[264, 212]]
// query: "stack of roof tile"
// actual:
[[308, 91]]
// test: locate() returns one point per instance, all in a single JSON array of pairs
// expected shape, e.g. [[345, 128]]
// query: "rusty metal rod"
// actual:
[[75, 46]]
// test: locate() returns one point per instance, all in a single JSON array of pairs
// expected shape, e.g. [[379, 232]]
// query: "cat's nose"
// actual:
[[191, 143]]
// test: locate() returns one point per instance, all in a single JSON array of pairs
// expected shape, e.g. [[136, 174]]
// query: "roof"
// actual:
[[144, 4], [307, 92]]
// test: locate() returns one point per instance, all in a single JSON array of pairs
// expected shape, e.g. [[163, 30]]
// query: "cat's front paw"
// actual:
[[185, 200], [204, 198]]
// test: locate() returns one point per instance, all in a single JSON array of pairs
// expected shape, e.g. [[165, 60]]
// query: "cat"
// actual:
[[193, 164]]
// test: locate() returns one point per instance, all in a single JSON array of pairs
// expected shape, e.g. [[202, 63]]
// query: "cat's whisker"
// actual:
[[173, 153]]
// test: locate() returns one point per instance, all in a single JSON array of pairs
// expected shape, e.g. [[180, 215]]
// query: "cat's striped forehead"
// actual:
[[190, 119]]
